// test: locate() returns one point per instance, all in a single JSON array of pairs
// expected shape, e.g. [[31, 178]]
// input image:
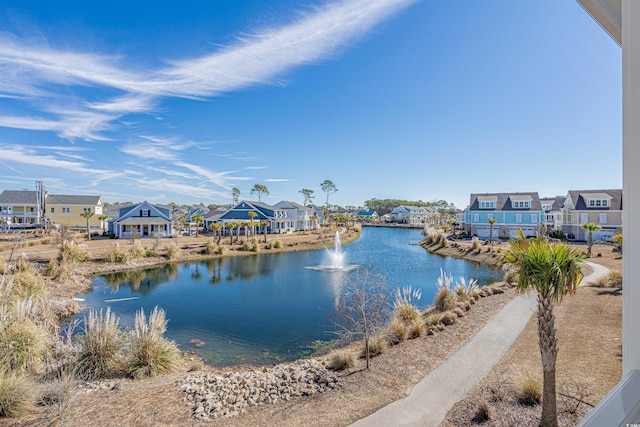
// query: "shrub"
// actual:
[[612, 280], [251, 246], [483, 411], [433, 319], [151, 354], [23, 345], [557, 234], [510, 276], [220, 250], [277, 244], [476, 246], [149, 253], [117, 255], [530, 391], [340, 360], [415, 330], [16, 394], [137, 251], [444, 300], [101, 345], [173, 251], [397, 331], [72, 253], [448, 318], [377, 346], [404, 306], [210, 247], [458, 312], [28, 284], [23, 264]]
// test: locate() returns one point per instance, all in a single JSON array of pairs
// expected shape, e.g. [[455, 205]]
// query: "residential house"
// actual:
[[277, 218], [212, 217], [512, 211], [411, 214], [303, 217], [144, 220], [601, 207], [22, 207], [552, 207], [67, 210], [198, 210], [318, 211], [368, 216]]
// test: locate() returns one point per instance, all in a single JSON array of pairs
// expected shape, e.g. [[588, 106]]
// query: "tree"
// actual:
[[215, 227], [235, 193], [264, 225], [617, 241], [259, 190], [252, 215], [364, 307], [103, 219], [87, 215], [308, 195], [553, 271], [491, 222], [231, 226], [197, 218], [328, 187], [590, 227]]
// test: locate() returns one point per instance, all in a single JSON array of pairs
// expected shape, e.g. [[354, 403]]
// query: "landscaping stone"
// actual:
[[212, 395]]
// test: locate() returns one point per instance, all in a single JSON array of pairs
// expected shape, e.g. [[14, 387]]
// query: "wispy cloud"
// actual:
[[39, 73], [277, 180]]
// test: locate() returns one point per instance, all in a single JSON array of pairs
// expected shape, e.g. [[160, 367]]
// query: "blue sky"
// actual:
[[433, 99]]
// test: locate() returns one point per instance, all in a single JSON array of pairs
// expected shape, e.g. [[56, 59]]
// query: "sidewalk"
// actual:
[[431, 399]]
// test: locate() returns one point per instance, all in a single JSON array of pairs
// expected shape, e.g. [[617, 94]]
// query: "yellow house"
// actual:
[[67, 210]]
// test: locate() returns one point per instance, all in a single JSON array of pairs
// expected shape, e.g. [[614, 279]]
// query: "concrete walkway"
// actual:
[[431, 399]]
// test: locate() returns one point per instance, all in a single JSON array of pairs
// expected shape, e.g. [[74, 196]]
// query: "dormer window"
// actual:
[[488, 205], [520, 204], [546, 208], [598, 203]]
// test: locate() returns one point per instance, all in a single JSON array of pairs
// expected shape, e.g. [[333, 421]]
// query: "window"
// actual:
[[521, 204], [534, 218], [487, 205], [598, 203], [476, 217], [489, 216], [144, 212], [66, 210], [53, 210], [31, 209], [518, 218], [86, 209], [546, 208], [603, 218], [584, 218]]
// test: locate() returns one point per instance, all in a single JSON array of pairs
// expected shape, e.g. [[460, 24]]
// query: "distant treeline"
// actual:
[[384, 206]]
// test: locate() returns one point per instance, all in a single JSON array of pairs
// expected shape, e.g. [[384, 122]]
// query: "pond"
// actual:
[[269, 308]]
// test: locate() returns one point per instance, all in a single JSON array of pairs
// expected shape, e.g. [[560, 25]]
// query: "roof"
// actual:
[[137, 220], [578, 199], [294, 205], [557, 202], [214, 214], [367, 213], [503, 201], [56, 199], [607, 13], [12, 197]]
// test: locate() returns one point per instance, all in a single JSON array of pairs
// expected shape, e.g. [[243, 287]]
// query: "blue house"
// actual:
[[512, 211], [277, 218], [144, 220], [368, 216]]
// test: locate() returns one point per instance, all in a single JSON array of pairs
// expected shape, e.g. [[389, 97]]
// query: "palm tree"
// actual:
[[235, 193], [264, 225], [454, 224], [590, 227], [87, 215], [245, 225], [252, 215], [215, 227], [491, 221], [197, 218], [103, 219], [553, 270], [231, 226]]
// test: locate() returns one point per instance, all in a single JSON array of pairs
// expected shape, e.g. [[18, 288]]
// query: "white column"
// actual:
[[631, 185]]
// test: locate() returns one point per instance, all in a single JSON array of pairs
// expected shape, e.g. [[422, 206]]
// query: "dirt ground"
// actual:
[[589, 363], [590, 356]]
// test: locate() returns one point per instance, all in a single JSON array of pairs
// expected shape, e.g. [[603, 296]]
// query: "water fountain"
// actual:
[[336, 258]]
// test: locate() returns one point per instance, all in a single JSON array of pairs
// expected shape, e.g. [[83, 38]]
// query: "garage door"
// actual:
[[483, 232], [527, 231]]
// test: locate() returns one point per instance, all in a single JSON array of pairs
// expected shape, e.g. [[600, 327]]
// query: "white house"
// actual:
[[303, 217]]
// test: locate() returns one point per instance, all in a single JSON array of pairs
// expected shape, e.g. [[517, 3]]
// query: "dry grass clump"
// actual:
[[137, 251], [274, 244], [397, 331], [340, 360], [16, 394], [71, 252], [404, 306], [28, 284], [377, 346], [173, 251], [210, 247], [117, 256], [458, 312], [448, 318], [151, 354], [476, 246], [612, 280], [445, 299], [530, 391], [483, 411], [101, 345], [59, 271], [251, 246], [433, 319], [4, 266], [432, 236], [510, 276], [415, 330], [23, 346]]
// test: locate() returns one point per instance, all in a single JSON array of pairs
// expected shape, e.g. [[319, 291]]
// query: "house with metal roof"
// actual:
[[277, 218], [512, 212], [303, 217]]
